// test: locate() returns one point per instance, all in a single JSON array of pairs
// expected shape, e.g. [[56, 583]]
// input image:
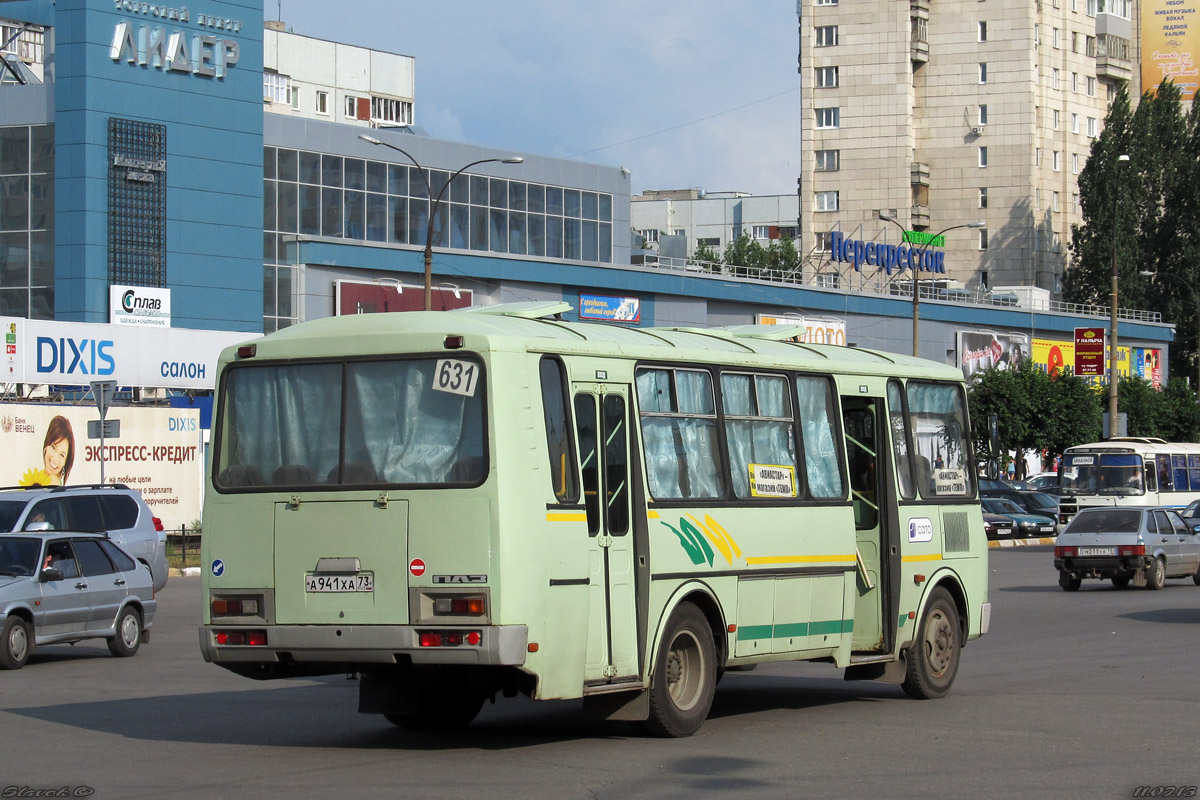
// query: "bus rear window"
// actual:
[[415, 422]]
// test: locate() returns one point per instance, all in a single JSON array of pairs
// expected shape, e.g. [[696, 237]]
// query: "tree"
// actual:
[[706, 258], [1142, 405], [1180, 418]]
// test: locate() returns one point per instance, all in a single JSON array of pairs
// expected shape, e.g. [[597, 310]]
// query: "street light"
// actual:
[[434, 202], [1112, 354], [916, 314], [1195, 292]]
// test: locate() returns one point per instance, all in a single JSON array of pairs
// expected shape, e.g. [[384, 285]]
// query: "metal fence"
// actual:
[[183, 545]]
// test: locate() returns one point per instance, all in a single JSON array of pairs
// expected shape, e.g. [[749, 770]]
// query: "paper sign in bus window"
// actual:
[[772, 480], [949, 481], [455, 376]]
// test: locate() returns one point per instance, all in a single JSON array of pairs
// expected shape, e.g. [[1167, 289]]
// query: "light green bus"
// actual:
[[455, 505]]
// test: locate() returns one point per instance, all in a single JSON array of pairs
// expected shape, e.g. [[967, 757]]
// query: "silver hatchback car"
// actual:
[[58, 588], [1127, 543]]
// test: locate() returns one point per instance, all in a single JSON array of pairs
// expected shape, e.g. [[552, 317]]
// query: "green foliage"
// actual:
[[778, 260], [1180, 417], [706, 258], [1144, 211]]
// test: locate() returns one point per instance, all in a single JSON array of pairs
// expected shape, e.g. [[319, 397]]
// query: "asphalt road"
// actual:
[[1087, 694]]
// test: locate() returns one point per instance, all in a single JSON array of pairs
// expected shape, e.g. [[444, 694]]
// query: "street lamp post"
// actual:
[[434, 202], [916, 312], [1112, 353], [1195, 292]]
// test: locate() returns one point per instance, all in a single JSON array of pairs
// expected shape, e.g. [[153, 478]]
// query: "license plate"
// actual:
[[1097, 551], [1048, 529], [363, 582], [1004, 531]]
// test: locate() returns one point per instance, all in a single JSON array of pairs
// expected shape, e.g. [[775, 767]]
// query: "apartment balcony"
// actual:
[[919, 39], [919, 173], [1112, 58], [919, 217]]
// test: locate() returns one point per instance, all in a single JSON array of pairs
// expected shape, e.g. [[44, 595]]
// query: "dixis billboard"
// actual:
[[158, 453]]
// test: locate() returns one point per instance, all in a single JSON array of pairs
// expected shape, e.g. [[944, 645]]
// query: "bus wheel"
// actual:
[[685, 675], [933, 658], [1069, 582], [1156, 575], [440, 711]]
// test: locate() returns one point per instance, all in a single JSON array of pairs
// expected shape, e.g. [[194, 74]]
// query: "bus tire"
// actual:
[[440, 711], [1156, 575], [932, 661], [685, 675]]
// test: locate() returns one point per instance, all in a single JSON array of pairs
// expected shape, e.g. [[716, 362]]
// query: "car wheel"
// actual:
[[933, 658], [17, 643], [1120, 581], [685, 675], [1069, 582], [1196, 577], [437, 710], [1156, 575], [129, 633]]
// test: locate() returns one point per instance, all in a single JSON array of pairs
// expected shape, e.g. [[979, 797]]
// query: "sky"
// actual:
[[641, 84]]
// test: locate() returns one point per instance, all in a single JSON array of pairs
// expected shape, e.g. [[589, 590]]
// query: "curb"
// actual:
[[186, 572], [1021, 542]]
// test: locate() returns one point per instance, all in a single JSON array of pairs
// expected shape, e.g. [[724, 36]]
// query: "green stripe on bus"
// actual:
[[790, 629]]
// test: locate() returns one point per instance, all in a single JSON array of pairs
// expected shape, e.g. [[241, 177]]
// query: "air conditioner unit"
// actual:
[[976, 130]]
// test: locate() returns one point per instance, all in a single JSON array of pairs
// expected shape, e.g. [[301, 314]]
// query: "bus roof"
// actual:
[[486, 329], [1136, 444]]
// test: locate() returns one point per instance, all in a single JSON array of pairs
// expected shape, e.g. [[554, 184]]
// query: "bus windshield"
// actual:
[[413, 422], [1103, 474]]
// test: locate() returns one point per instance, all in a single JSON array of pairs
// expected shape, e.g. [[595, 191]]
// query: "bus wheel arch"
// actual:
[[953, 587], [702, 597], [932, 659]]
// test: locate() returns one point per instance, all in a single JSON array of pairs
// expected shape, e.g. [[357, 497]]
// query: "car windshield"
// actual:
[[1042, 500], [998, 505], [10, 512], [1103, 474], [1118, 520], [19, 555]]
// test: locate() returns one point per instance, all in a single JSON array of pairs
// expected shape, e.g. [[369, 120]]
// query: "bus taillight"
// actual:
[[448, 638], [255, 638], [467, 605]]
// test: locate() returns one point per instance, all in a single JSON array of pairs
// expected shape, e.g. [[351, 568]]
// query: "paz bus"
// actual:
[[1128, 471], [455, 505]]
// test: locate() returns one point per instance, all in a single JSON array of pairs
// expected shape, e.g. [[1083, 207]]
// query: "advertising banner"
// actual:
[[610, 309], [139, 305], [978, 350], [1147, 363], [1053, 355], [1089, 351], [1170, 44], [817, 330], [158, 453], [77, 353]]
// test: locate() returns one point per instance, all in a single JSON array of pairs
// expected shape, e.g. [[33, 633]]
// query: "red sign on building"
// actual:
[[1089, 351]]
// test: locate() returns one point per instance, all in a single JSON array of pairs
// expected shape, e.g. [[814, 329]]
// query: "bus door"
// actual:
[[603, 428], [863, 421]]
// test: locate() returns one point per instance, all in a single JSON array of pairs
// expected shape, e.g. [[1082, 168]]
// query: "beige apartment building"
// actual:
[[943, 114]]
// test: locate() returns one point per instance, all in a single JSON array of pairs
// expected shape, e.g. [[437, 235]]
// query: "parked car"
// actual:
[[1040, 503], [59, 588], [1026, 524], [113, 508], [1191, 514], [1124, 543], [1043, 481], [998, 526]]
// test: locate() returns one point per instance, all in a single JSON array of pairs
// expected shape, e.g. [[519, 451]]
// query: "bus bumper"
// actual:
[[985, 619], [499, 645]]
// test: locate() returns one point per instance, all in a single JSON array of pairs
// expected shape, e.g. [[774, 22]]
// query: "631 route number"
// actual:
[[455, 376]]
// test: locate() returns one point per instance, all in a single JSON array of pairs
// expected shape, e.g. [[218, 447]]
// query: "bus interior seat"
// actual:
[[293, 475], [241, 475]]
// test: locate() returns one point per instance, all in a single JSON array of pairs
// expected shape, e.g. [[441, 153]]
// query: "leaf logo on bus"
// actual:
[[695, 536]]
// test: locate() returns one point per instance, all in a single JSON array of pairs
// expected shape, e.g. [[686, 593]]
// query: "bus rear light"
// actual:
[[453, 342], [1064, 552], [448, 638], [466, 605], [255, 638], [234, 606], [1133, 550], [247, 351]]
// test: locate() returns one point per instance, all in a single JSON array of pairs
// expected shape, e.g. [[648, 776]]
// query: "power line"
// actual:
[[685, 124]]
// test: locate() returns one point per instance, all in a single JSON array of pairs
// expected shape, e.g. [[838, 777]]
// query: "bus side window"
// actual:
[[558, 431], [1149, 472], [1164, 474], [899, 428], [589, 459]]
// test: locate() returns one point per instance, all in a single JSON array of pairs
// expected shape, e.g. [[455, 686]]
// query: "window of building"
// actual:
[[761, 231], [1054, 77], [27, 222], [920, 194], [1074, 42], [983, 156], [827, 35], [1074, 122], [1054, 39], [1075, 163], [1093, 127], [1037, 156], [983, 197], [1075, 6], [1054, 202], [386, 109], [649, 234], [1089, 46], [983, 31], [1074, 81], [322, 103], [982, 72], [1075, 203], [920, 29], [1055, 163], [1091, 86], [829, 160], [1054, 119], [1037, 198], [1037, 35], [351, 107], [828, 117], [827, 2], [983, 114], [277, 88], [823, 241], [983, 239], [827, 201], [827, 77]]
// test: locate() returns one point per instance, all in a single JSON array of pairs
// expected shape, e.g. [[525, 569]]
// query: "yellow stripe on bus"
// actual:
[[931, 557], [799, 559], [651, 515], [567, 516]]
